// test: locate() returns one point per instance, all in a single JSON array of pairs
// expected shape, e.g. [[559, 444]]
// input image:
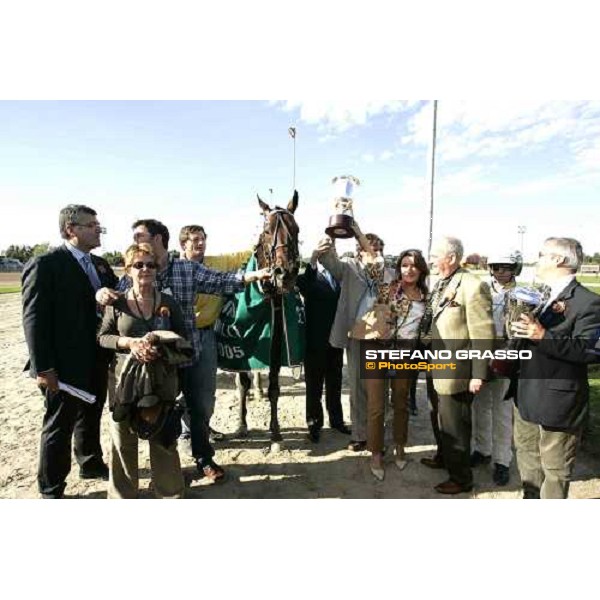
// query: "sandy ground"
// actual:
[[299, 470]]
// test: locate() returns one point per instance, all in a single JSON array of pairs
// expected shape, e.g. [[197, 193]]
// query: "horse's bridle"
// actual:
[[269, 248], [270, 251]]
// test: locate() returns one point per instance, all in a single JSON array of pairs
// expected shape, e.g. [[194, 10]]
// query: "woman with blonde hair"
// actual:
[[138, 327]]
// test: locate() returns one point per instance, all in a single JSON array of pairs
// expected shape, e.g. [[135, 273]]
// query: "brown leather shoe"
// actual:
[[451, 487], [433, 462]]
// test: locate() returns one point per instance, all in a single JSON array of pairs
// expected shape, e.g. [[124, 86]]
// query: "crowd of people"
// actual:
[[147, 342]]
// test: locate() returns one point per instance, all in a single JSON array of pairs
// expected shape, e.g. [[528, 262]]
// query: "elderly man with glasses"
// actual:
[[458, 317], [60, 319], [553, 389]]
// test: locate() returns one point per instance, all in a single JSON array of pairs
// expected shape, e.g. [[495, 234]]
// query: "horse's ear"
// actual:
[[265, 207], [293, 203]]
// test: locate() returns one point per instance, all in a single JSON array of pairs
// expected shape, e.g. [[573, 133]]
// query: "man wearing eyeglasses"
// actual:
[[553, 389], [458, 317], [60, 320]]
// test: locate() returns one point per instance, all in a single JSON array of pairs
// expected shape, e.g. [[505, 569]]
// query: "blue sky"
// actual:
[[500, 164]]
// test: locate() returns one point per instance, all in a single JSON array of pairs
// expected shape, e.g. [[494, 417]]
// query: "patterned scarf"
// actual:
[[431, 306]]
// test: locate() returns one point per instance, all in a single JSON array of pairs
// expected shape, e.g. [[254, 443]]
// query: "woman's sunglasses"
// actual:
[[140, 265]]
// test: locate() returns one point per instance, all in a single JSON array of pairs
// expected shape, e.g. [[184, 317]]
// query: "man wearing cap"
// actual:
[[553, 388], [60, 320]]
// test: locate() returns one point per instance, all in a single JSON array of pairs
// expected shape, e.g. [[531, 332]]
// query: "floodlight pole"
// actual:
[[432, 176], [292, 132], [522, 230]]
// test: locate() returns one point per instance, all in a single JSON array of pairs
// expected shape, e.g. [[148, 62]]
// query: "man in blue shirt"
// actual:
[[60, 320]]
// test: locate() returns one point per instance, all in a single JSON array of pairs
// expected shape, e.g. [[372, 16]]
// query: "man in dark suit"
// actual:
[[60, 319], [553, 389], [322, 363]]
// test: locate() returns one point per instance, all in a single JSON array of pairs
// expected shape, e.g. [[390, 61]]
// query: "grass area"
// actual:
[[592, 434], [10, 289], [592, 282], [588, 278]]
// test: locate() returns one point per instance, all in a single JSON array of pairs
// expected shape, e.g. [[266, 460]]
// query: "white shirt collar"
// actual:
[[557, 286], [321, 268], [76, 252]]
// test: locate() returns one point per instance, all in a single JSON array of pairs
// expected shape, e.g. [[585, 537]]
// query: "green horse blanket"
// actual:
[[244, 328]]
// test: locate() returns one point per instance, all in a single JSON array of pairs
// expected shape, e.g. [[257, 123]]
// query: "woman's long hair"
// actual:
[[420, 263]]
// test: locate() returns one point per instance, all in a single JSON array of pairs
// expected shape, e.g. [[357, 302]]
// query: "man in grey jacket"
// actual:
[[350, 273]]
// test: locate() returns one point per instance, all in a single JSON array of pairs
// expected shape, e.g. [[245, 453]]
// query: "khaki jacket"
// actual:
[[464, 321]]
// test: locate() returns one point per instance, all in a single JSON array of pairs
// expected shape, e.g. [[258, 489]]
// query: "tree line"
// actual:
[[223, 262]]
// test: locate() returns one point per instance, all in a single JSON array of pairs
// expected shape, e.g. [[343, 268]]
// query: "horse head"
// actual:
[[277, 246]]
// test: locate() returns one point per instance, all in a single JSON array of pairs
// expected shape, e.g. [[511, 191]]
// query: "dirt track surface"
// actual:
[[299, 470]]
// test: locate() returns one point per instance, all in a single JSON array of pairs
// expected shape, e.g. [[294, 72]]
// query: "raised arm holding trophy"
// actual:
[[340, 224], [351, 274]]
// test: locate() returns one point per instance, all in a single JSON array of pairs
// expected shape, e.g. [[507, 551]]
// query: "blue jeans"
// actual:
[[190, 385], [199, 385]]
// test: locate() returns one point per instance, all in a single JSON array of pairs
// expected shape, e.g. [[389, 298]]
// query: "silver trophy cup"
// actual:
[[340, 223], [521, 301]]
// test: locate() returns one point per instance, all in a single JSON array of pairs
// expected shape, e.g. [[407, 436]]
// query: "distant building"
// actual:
[[590, 269], [10, 265]]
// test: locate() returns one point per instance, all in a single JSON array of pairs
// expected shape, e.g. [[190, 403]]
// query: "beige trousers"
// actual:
[[124, 475], [545, 458], [358, 392]]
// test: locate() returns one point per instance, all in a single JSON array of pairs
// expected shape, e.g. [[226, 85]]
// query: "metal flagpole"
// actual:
[[522, 230], [292, 132], [432, 176]]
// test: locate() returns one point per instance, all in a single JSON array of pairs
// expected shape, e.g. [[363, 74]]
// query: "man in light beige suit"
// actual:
[[458, 317], [350, 273]]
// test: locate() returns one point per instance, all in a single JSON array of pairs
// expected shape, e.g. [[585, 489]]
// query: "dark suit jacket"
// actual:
[[320, 302], [553, 388], [59, 316]]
